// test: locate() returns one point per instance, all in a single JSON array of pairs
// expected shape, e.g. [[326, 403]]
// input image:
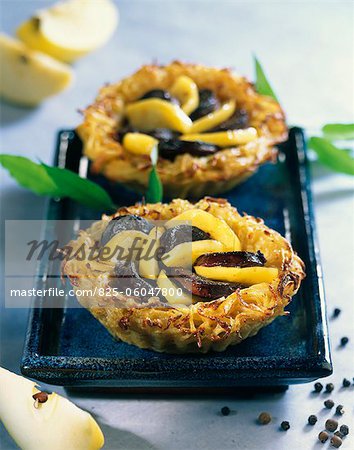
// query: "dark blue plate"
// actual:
[[67, 346]]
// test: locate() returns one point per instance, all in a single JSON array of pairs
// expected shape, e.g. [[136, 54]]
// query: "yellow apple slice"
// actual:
[[224, 138], [213, 119], [139, 143], [27, 76], [243, 275], [152, 113], [70, 29], [217, 228], [149, 264], [127, 244], [184, 255], [56, 424], [186, 92], [175, 296]]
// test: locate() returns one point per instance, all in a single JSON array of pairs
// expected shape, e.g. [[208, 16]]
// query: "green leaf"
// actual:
[[55, 182], [29, 175], [334, 131], [154, 191], [80, 189], [332, 156], [262, 84]]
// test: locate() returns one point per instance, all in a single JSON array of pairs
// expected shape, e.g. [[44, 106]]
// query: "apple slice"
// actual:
[[149, 261], [174, 295], [217, 228], [151, 113], [70, 29], [56, 424], [184, 255], [27, 76], [242, 275], [124, 245]]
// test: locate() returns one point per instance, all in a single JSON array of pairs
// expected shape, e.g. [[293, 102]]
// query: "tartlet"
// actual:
[[255, 268], [187, 102]]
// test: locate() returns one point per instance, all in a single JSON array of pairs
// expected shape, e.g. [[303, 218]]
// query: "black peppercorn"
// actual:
[[339, 434], [336, 441], [340, 410], [344, 341], [329, 387], [336, 312], [225, 410], [323, 436], [312, 419], [264, 418], [329, 404], [346, 382], [344, 429], [331, 425], [318, 387], [285, 425]]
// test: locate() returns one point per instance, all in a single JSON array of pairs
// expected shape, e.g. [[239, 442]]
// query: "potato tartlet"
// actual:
[[220, 277], [210, 128]]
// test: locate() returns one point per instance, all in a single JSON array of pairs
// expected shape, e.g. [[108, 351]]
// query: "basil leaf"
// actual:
[[334, 131], [29, 175], [154, 191], [332, 156], [262, 84], [80, 189]]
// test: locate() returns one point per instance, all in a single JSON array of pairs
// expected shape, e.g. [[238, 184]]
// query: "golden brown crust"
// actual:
[[186, 175], [203, 326]]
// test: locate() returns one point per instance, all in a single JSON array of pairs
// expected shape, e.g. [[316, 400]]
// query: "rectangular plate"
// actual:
[[67, 346]]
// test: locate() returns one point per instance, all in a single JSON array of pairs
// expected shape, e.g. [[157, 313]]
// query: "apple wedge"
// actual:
[[56, 424], [243, 275], [184, 255], [28, 77], [217, 228], [149, 263], [174, 295], [70, 29]]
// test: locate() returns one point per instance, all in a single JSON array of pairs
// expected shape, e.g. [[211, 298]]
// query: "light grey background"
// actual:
[[307, 50]]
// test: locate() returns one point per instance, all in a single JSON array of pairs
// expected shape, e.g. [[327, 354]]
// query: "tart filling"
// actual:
[[213, 274], [158, 119], [162, 120], [207, 124]]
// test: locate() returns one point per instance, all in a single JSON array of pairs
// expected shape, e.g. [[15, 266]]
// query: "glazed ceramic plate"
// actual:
[[67, 346]]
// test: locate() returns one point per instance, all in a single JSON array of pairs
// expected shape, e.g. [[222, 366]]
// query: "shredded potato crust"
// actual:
[[203, 326]]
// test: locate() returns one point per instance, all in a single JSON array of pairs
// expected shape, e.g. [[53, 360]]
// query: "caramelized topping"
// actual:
[[239, 120], [232, 259], [161, 94], [171, 148], [184, 110], [200, 286], [163, 134], [180, 234], [123, 223], [207, 104], [127, 276]]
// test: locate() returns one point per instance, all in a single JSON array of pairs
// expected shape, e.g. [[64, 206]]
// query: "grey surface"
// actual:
[[307, 49]]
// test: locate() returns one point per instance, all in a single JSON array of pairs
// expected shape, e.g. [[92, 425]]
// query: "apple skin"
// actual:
[[28, 77], [71, 29], [56, 424]]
